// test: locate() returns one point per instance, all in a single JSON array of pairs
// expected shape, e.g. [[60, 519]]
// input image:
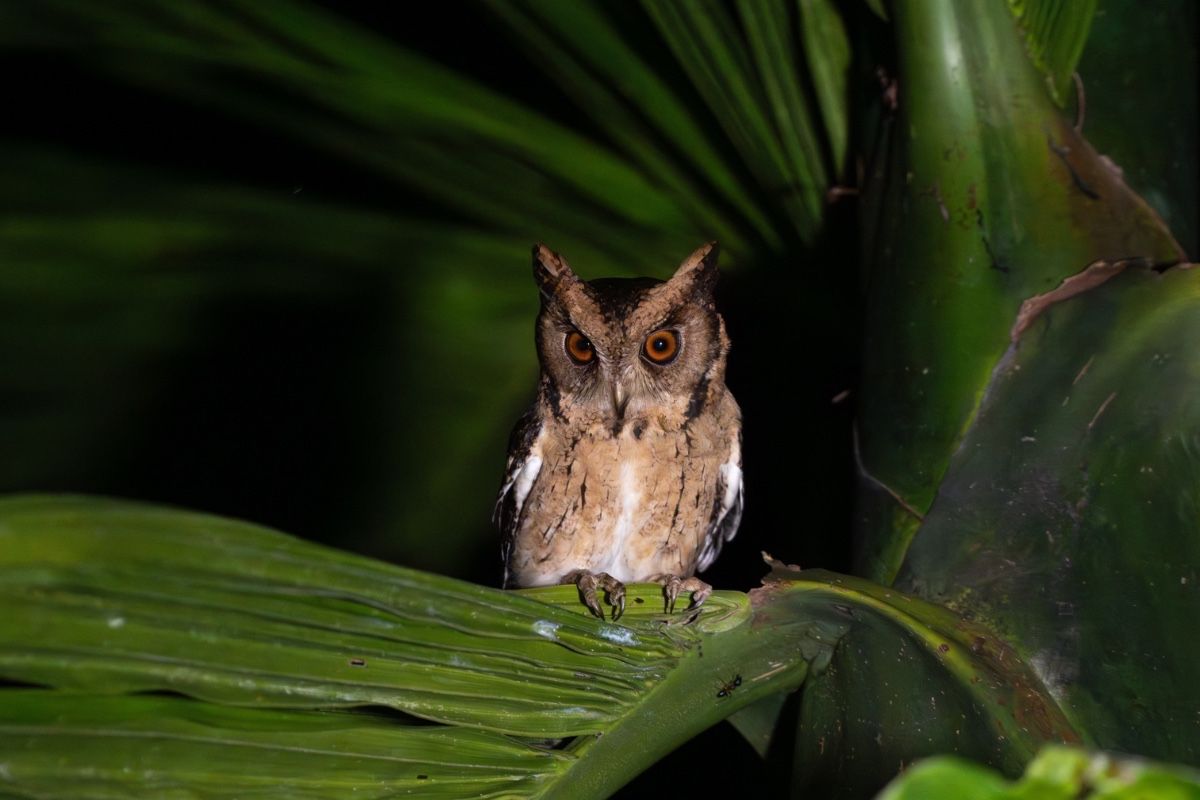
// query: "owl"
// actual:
[[628, 465]]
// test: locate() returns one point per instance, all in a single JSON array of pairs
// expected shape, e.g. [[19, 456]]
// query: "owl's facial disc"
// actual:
[[619, 349]]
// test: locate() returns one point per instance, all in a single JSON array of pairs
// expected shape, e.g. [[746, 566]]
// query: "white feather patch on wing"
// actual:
[[519, 475], [523, 480], [728, 516], [732, 501]]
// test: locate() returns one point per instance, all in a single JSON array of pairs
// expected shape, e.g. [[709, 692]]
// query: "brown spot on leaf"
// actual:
[[1095, 274]]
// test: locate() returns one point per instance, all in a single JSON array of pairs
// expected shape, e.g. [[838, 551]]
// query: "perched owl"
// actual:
[[628, 466]]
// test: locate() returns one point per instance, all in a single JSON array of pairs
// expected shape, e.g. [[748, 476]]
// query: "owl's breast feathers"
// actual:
[[643, 500]]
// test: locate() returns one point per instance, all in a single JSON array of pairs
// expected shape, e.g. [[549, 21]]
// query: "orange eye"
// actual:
[[661, 346], [579, 348]]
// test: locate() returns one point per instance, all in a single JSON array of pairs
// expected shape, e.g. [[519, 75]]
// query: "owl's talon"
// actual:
[[671, 590], [673, 585], [589, 600], [618, 609], [587, 582], [616, 598]]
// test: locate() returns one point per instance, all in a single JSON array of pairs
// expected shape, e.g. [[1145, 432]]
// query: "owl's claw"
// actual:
[[587, 583], [673, 585]]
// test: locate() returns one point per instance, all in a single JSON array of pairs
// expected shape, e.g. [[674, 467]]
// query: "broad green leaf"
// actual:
[[986, 196], [1058, 773], [911, 679], [60, 744], [1067, 520], [104, 600], [108, 598], [1031, 471], [253, 617]]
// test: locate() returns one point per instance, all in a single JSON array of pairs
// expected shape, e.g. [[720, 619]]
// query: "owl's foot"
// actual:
[[673, 585], [587, 583]]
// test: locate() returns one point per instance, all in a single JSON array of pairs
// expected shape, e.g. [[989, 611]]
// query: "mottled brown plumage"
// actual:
[[628, 465]]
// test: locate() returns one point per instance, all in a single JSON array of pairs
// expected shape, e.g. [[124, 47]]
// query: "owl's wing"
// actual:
[[727, 505], [520, 471]]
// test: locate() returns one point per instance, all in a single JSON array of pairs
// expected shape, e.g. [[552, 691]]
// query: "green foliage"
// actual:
[[1037, 441], [911, 679], [1085, 454], [1055, 34], [1058, 773], [1031, 487], [957, 249], [103, 599], [70, 745], [274, 642]]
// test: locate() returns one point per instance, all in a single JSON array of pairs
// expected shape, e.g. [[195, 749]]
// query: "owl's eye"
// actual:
[[579, 348], [661, 346]]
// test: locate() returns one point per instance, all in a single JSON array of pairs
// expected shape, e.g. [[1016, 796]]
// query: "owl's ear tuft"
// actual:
[[698, 273], [550, 270]]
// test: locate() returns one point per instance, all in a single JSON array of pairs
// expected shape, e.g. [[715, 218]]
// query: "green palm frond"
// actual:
[[274, 642], [145, 746], [105, 599]]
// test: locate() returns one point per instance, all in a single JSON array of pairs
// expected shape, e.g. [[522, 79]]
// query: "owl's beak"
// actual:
[[620, 399]]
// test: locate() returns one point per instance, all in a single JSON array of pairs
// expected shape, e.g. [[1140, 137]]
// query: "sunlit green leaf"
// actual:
[[1055, 33], [1058, 773]]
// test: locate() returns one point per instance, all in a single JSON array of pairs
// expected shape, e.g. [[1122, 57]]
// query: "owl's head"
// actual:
[[616, 349]]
